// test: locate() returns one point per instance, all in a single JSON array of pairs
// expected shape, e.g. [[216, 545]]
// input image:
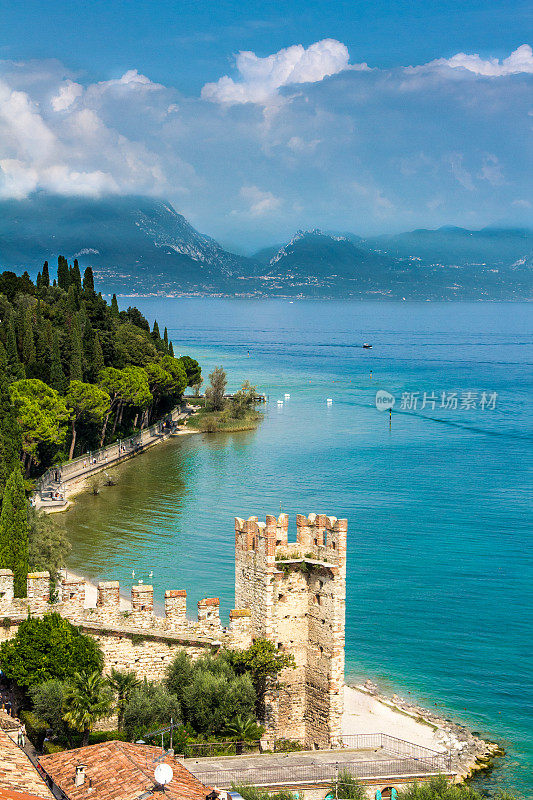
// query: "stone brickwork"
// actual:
[[296, 595], [290, 593]]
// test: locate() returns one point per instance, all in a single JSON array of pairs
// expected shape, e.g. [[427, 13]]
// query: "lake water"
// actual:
[[440, 579]]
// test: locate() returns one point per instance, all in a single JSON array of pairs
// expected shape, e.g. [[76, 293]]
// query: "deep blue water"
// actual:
[[440, 597]]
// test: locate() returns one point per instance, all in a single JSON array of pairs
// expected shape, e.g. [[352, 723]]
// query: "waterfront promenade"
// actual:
[[51, 489]]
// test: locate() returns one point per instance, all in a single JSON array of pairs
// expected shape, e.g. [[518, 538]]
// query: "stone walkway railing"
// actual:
[[49, 488]]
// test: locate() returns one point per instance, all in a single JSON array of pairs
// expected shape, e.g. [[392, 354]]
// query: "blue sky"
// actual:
[[260, 118]]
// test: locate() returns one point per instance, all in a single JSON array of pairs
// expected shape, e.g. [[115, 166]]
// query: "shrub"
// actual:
[[51, 747], [150, 706], [35, 728], [47, 699], [348, 787], [255, 793]]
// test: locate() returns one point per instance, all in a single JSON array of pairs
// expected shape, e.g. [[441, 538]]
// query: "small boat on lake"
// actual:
[[367, 346]]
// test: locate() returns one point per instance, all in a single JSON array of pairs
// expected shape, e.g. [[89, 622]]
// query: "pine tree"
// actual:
[[15, 370], [14, 530], [10, 437], [45, 280], [63, 275], [165, 338], [57, 376], [76, 353], [155, 332], [114, 306], [88, 280]]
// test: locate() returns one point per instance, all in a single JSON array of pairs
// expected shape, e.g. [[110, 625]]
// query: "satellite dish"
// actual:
[[163, 774]]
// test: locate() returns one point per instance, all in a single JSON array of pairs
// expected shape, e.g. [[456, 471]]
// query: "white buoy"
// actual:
[[329, 401], [287, 396]]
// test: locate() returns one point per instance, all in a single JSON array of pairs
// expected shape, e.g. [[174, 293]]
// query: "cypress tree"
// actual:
[[76, 353], [171, 349], [155, 332], [88, 280], [57, 376], [14, 530], [10, 436], [15, 370], [45, 279], [165, 338], [98, 357], [114, 306], [42, 359], [38, 282], [75, 275], [28, 342], [63, 275]]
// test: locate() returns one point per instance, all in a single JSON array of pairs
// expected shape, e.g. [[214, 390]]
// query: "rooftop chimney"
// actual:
[[79, 778]]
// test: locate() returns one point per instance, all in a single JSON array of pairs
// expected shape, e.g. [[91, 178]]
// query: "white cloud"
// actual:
[[520, 60], [491, 170], [459, 172], [75, 152], [68, 94], [260, 78], [381, 205], [299, 145], [260, 202]]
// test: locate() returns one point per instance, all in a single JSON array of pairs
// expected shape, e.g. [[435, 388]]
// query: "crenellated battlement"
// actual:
[[290, 592], [296, 592]]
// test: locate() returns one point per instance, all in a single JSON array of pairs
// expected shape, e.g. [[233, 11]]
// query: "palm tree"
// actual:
[[122, 684], [88, 699], [242, 730]]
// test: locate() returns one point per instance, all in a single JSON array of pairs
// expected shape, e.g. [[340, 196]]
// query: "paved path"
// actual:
[[54, 483]]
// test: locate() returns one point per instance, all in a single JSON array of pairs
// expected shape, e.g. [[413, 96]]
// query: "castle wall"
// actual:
[[290, 593]]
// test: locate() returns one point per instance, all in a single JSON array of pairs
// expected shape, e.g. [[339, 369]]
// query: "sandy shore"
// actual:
[[367, 711], [90, 591]]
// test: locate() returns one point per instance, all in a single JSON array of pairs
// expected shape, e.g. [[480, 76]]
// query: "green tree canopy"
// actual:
[[10, 435], [14, 531], [214, 394], [132, 346], [48, 546], [177, 371], [192, 369], [88, 401], [41, 414], [48, 648], [263, 662], [88, 699], [122, 685], [150, 706], [47, 699]]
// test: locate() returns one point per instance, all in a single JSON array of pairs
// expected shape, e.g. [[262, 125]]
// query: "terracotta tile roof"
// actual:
[[119, 771], [8, 794], [17, 773]]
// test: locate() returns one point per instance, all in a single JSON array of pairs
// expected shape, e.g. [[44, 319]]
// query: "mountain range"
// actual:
[[141, 245]]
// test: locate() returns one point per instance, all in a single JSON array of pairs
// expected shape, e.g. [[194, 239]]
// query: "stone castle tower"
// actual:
[[292, 594], [295, 594]]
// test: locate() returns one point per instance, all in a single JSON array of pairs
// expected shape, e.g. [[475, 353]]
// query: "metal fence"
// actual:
[[95, 459], [320, 773], [389, 744]]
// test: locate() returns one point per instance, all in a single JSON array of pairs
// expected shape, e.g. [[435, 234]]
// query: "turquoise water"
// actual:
[[439, 595]]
